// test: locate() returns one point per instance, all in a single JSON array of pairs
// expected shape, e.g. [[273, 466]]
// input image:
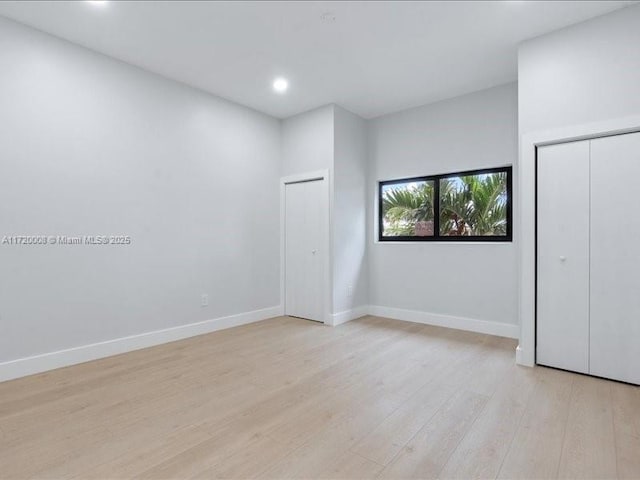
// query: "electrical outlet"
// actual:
[[350, 291], [204, 300]]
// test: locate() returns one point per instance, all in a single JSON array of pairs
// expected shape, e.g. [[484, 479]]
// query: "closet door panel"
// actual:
[[562, 327], [304, 256], [615, 258]]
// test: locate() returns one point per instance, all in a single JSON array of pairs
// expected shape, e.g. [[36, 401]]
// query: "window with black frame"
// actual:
[[473, 205]]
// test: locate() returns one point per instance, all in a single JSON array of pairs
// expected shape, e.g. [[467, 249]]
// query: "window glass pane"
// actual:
[[407, 209], [474, 205]]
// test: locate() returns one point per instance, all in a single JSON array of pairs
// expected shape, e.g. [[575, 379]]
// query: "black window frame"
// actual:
[[437, 237]]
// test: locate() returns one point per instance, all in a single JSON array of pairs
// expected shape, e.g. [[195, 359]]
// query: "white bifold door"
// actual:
[[305, 234], [615, 258], [563, 257], [588, 254]]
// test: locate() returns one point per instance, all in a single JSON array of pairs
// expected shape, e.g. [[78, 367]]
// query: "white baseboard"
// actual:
[[348, 315], [522, 358], [460, 323], [63, 358]]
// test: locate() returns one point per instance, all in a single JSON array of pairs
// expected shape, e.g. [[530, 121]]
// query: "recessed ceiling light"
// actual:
[[97, 3], [280, 85]]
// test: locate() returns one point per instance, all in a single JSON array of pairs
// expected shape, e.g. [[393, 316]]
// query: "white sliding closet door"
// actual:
[[562, 327], [305, 220], [615, 257]]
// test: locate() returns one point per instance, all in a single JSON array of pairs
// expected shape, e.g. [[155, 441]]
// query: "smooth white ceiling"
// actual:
[[375, 58]]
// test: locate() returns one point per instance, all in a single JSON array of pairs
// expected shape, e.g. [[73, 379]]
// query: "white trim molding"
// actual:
[[519, 355], [348, 315], [459, 323], [85, 353], [529, 142]]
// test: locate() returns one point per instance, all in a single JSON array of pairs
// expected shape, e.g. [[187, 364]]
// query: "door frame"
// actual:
[[325, 177], [526, 235]]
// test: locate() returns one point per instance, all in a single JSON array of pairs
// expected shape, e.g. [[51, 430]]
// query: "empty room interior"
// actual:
[[315, 239]]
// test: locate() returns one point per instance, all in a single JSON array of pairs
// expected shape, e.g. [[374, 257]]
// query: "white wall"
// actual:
[[332, 138], [475, 281], [90, 145], [350, 272], [581, 74], [580, 81], [307, 141]]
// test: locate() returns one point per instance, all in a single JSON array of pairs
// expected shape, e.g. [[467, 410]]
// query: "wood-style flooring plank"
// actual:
[[288, 398], [536, 448], [589, 449]]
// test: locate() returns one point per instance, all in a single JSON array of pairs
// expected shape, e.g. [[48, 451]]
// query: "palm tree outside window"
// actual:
[[471, 206]]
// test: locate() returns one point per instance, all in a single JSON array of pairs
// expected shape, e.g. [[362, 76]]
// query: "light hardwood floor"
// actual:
[[288, 398]]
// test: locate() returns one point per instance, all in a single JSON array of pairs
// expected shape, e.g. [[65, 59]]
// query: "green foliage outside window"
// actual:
[[470, 205]]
